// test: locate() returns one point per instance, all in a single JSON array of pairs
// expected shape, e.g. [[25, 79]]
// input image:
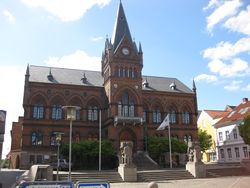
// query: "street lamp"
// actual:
[[58, 143], [71, 115]]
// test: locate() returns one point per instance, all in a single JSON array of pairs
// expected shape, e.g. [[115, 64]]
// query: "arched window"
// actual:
[[38, 111], [126, 107], [56, 112], [156, 116], [36, 138], [92, 113], [172, 117], [185, 117]]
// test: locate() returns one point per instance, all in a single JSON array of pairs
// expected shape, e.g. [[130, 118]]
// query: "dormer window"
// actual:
[[172, 86], [50, 76], [84, 79]]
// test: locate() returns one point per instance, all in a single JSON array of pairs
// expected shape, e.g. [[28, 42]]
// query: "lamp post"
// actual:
[[71, 115], [58, 143]]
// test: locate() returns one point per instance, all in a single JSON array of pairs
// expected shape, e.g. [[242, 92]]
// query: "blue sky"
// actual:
[[208, 41]]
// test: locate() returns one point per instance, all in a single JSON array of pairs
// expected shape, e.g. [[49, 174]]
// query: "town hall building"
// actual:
[[132, 105]]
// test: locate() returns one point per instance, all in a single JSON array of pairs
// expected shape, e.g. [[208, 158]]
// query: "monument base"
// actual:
[[128, 173], [197, 169]]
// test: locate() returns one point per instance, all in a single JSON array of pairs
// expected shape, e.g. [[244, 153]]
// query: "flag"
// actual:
[[164, 124]]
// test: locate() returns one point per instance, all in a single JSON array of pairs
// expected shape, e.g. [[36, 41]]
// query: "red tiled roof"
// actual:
[[238, 113], [216, 113]]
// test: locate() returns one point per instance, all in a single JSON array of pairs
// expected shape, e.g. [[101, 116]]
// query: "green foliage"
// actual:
[[157, 146], [244, 130], [205, 140], [85, 154]]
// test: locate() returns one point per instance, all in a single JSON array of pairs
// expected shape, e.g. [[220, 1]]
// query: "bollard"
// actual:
[[152, 185]]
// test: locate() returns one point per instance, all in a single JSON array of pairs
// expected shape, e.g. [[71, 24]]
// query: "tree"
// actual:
[[244, 129], [205, 140]]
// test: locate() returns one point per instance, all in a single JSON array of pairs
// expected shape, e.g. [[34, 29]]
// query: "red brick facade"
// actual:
[[132, 106]]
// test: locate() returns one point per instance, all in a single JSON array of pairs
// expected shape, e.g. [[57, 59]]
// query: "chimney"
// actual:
[[244, 100]]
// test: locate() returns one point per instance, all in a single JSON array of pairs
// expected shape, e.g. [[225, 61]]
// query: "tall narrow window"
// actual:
[[235, 133], [126, 107], [172, 117], [220, 136], [237, 152], [38, 111], [229, 153], [56, 112], [245, 152], [227, 135], [92, 113], [222, 155], [185, 118], [144, 116], [156, 116]]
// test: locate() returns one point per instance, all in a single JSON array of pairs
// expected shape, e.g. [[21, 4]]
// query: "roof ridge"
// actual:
[[63, 68]]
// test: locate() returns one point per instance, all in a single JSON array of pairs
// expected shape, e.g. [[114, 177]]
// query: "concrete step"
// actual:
[[111, 177], [163, 175], [229, 171]]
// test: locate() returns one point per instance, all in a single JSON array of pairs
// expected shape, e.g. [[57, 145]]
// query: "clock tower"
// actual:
[[122, 63]]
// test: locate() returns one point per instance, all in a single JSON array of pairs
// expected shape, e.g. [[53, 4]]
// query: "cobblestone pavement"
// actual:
[[223, 182]]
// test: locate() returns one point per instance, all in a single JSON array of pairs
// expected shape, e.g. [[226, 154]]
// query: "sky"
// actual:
[[208, 41]]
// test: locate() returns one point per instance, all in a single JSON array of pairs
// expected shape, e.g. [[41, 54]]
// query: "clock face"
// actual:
[[125, 51]]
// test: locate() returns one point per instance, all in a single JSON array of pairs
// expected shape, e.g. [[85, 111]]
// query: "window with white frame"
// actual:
[[235, 134], [222, 155], [220, 136], [185, 118], [156, 116], [38, 111], [237, 152], [245, 152], [229, 153], [56, 112], [172, 117], [92, 113], [227, 135]]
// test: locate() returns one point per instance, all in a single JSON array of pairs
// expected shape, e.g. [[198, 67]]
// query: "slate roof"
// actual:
[[94, 78], [238, 113]]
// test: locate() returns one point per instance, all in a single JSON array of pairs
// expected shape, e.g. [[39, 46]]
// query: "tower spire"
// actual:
[[121, 28]]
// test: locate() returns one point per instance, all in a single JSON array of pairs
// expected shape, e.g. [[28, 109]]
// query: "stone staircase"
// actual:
[[109, 176], [227, 171], [163, 175], [143, 161]]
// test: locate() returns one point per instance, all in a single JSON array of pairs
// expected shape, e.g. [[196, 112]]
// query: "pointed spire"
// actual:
[[121, 28], [140, 48], [194, 86], [27, 70], [84, 78]]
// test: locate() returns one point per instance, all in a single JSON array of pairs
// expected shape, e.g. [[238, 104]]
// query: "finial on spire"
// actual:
[[194, 86]]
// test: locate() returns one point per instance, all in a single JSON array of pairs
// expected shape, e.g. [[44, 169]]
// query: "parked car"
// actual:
[[63, 165]]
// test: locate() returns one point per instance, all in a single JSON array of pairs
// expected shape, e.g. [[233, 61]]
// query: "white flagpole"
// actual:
[[100, 140], [170, 149]]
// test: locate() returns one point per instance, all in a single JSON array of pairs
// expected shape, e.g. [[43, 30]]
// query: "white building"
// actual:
[[229, 144]]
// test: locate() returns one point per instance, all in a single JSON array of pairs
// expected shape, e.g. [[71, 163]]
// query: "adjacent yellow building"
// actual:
[[206, 120]]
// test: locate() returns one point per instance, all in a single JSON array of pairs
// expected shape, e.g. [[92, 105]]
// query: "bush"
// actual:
[[85, 155]]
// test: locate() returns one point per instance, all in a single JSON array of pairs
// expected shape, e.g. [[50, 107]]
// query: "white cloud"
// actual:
[[77, 60], [228, 8], [226, 50], [211, 4], [66, 10], [238, 67], [247, 88], [9, 16], [240, 23], [95, 39], [233, 86], [206, 77], [11, 98]]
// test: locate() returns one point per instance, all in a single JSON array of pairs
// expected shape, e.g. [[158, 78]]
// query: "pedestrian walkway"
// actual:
[[223, 182]]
